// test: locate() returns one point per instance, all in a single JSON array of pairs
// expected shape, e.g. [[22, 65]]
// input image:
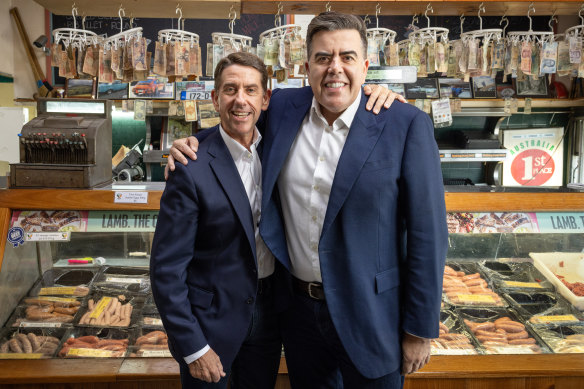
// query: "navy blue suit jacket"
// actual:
[[203, 264], [384, 237]]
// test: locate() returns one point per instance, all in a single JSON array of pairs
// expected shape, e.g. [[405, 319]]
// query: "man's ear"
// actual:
[[266, 99], [215, 98]]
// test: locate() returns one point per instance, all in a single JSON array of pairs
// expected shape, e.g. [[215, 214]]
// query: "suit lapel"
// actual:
[[293, 112], [362, 137], [228, 177]]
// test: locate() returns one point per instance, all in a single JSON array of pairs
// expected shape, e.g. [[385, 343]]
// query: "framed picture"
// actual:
[[194, 90], [290, 83], [505, 91], [394, 87], [454, 88], [208, 117], [484, 87], [174, 128], [80, 88], [530, 87], [154, 87], [423, 88], [114, 90]]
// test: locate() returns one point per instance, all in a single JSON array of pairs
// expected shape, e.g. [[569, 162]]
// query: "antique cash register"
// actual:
[[68, 145]]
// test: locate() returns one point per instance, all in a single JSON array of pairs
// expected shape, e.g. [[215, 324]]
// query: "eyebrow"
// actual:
[[232, 84], [325, 54]]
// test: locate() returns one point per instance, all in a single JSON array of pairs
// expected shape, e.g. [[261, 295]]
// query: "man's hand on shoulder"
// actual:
[[380, 96], [180, 148], [208, 368], [415, 353]]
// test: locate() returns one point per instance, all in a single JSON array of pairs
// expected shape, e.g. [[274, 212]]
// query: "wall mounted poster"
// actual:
[[535, 157]]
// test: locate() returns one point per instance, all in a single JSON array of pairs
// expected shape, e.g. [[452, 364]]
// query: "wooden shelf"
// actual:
[[191, 9], [219, 9]]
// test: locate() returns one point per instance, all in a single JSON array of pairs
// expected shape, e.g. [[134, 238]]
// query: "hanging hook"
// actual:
[[74, 13], [367, 20], [178, 11], [580, 14], [121, 12], [553, 19], [377, 12], [428, 8], [504, 19], [232, 17], [83, 21], [131, 20], [277, 21], [481, 9], [415, 19], [327, 6], [530, 10], [461, 22]]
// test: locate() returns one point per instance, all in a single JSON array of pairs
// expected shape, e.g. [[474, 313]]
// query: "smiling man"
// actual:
[[354, 209], [212, 276]]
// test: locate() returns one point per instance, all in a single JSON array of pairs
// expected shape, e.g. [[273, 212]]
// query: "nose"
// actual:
[[240, 96], [335, 65]]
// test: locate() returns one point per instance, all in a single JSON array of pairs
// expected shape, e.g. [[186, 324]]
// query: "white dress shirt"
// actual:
[[305, 185], [249, 166]]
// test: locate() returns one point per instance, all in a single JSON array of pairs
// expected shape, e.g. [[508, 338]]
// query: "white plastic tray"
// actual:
[[563, 264]]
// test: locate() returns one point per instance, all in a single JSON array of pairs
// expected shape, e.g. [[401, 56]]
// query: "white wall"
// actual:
[[13, 60]]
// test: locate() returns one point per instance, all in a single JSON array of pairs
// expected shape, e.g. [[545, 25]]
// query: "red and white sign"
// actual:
[[534, 158]]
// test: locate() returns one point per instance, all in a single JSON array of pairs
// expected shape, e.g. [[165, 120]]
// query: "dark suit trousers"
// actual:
[[315, 356], [256, 364]]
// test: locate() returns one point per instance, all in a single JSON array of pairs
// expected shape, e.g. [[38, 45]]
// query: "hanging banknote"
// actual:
[[159, 59], [372, 52], [526, 57], [575, 49]]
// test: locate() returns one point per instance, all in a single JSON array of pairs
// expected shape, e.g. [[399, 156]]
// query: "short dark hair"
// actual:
[[332, 21], [243, 59]]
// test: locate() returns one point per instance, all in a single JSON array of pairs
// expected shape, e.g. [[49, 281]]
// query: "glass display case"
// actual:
[[75, 285]]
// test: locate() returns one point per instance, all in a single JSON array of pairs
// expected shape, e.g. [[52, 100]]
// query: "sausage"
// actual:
[[502, 319], [26, 346], [445, 336], [15, 345], [476, 282], [36, 315], [518, 335], [66, 310], [66, 304], [489, 333], [471, 277], [85, 318], [107, 342], [88, 339], [36, 301], [484, 326], [47, 339], [510, 328], [522, 341], [450, 271], [34, 342], [91, 305], [154, 347], [483, 338], [4, 348]]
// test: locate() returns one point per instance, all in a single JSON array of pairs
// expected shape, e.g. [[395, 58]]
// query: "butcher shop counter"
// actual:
[[483, 226]]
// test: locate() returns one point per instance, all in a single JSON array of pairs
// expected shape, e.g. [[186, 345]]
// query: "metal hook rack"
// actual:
[[538, 37], [327, 6], [74, 37], [179, 35], [429, 34], [504, 19], [280, 32], [486, 36], [576, 30], [123, 37], [385, 35], [238, 42]]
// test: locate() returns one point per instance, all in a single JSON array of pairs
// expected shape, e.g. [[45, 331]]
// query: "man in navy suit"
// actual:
[[353, 207], [212, 275]]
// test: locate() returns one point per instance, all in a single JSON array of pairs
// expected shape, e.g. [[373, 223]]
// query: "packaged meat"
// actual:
[[500, 331], [563, 338], [543, 308], [30, 343], [96, 343], [453, 338], [510, 275], [150, 343], [110, 310], [464, 286]]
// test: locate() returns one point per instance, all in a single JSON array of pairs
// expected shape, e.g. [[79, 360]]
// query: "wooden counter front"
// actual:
[[545, 371]]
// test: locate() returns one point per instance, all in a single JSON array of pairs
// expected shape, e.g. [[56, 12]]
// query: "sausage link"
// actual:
[[15, 345], [26, 346]]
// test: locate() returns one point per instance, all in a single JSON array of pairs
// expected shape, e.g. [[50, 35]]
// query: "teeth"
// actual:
[[241, 114], [335, 84]]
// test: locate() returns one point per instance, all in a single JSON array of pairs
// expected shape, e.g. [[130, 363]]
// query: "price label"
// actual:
[[554, 319], [57, 299], [101, 305], [58, 290], [25, 324], [20, 356], [156, 353], [518, 284], [476, 298], [89, 352], [121, 280]]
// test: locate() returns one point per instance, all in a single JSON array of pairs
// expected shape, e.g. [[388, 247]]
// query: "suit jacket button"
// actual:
[[249, 300]]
